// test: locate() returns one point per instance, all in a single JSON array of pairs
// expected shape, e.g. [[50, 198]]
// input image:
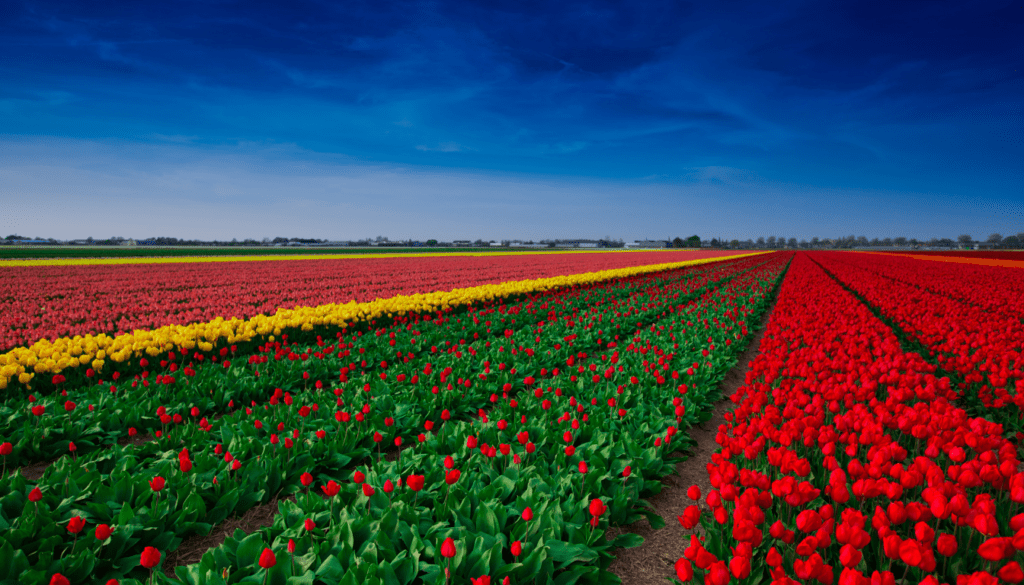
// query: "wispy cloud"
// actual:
[[912, 98]]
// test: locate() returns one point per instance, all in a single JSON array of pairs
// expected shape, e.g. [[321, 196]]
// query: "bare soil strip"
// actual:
[[35, 471], [654, 560], [192, 549]]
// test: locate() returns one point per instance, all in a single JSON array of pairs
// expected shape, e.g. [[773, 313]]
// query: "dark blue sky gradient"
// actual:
[[722, 118]]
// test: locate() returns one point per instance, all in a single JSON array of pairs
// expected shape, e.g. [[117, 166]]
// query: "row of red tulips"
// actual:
[[846, 460], [980, 346]]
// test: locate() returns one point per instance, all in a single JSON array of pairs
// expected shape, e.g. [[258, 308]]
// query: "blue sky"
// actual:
[[511, 119]]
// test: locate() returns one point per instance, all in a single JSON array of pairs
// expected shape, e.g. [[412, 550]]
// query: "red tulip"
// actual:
[[448, 548], [597, 507], [452, 476], [739, 567], [59, 579], [267, 558], [690, 517], [76, 524], [35, 495], [1011, 572], [693, 493], [306, 479], [157, 483], [415, 482], [368, 490], [309, 525], [527, 514], [684, 570], [150, 557], [331, 489], [718, 574], [517, 548], [103, 532], [994, 549], [946, 545]]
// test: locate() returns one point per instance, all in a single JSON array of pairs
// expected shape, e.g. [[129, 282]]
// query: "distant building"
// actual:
[[647, 244]]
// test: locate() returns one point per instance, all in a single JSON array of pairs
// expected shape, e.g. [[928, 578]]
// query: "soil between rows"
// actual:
[[654, 560]]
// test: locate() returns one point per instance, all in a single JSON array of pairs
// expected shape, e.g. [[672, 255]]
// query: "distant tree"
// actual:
[[792, 243], [900, 241], [875, 242], [431, 242], [771, 241], [678, 242], [89, 240], [964, 239], [887, 241], [815, 241], [994, 239], [1011, 242], [862, 241], [760, 242], [945, 242], [693, 241], [714, 242]]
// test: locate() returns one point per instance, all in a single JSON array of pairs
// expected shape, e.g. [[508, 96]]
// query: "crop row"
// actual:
[[980, 345], [273, 443], [846, 461], [123, 313], [41, 428]]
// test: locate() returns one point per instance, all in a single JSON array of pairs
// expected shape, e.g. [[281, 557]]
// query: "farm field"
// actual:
[[498, 419], [33, 252], [51, 299]]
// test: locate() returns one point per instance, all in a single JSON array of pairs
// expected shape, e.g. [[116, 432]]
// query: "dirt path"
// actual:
[[654, 560]]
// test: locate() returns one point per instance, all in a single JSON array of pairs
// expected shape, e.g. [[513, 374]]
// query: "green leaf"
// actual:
[[486, 521], [628, 540], [249, 550], [387, 574], [565, 553], [6, 558], [126, 514], [572, 575], [331, 570]]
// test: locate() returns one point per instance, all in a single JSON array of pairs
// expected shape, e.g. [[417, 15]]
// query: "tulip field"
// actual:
[[848, 459], [492, 418]]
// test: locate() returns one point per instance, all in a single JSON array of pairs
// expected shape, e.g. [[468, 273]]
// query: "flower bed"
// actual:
[[978, 342], [547, 365], [846, 461], [118, 314]]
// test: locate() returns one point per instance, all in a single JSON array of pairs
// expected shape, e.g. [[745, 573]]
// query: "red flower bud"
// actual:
[[267, 558], [150, 557]]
